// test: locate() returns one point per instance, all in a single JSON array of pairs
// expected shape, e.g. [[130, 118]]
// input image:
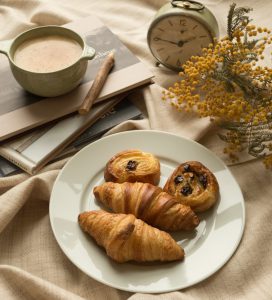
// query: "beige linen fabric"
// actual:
[[32, 266]]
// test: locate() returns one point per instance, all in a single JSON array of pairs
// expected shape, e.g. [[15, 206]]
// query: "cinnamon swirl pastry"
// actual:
[[193, 184], [131, 166]]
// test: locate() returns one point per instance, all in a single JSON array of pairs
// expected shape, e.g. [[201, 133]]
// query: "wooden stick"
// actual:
[[97, 84]]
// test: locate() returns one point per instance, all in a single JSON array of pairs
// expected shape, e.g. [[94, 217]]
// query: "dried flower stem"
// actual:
[[235, 89]]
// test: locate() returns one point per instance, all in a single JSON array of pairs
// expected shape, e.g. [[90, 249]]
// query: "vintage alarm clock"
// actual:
[[179, 30]]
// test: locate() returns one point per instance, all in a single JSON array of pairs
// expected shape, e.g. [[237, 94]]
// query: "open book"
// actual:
[[21, 111], [32, 150]]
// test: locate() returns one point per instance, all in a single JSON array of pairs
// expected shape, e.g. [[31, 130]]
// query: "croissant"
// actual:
[[193, 184], [126, 238], [148, 203], [132, 166]]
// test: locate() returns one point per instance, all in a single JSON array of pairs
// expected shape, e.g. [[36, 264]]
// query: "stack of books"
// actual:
[[35, 131]]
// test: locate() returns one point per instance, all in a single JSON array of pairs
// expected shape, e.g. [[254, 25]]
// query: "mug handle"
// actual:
[[88, 53], [5, 46]]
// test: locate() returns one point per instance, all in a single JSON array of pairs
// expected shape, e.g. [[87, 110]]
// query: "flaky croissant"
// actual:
[[131, 166], [148, 203], [193, 184], [126, 238]]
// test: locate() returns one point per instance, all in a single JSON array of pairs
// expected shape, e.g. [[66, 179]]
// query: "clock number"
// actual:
[[182, 22], [170, 22], [195, 27], [160, 49], [167, 58], [178, 63]]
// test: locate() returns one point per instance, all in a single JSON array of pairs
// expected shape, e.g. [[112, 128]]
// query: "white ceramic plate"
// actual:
[[207, 249]]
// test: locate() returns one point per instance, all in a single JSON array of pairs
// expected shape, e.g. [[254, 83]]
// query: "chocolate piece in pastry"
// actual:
[[148, 203], [132, 166], [193, 184], [126, 238]]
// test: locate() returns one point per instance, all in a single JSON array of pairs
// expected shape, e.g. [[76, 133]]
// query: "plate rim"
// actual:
[[136, 290]]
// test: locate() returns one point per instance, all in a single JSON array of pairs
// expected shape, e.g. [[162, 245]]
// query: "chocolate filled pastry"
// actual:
[[148, 203], [126, 238], [193, 184], [132, 166]]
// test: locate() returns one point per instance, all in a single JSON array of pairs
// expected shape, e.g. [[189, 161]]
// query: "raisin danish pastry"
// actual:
[[148, 203], [193, 184], [126, 238], [132, 166]]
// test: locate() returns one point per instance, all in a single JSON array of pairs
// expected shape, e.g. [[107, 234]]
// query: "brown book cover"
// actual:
[[32, 150], [21, 111]]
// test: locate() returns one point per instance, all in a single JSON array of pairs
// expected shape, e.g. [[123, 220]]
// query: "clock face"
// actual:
[[174, 39]]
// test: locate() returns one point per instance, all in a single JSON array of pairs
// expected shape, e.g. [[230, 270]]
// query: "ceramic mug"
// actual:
[[49, 84]]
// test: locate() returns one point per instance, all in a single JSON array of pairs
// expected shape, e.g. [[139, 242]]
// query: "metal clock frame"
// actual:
[[160, 18]]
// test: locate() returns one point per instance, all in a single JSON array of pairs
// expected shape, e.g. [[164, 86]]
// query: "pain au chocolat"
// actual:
[[193, 184], [132, 166]]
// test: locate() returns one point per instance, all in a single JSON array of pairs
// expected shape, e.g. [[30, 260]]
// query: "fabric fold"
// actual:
[[37, 187], [18, 284], [32, 266]]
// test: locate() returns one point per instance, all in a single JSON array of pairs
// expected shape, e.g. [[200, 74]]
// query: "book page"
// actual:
[[124, 110], [31, 156]]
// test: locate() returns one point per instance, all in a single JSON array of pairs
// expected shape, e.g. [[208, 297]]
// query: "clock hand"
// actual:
[[190, 39], [181, 42], [160, 39]]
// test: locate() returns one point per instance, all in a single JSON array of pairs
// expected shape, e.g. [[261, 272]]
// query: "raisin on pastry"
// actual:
[[131, 166], [193, 184]]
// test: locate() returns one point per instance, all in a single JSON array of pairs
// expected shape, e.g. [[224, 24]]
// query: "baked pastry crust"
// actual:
[[193, 184], [148, 203], [131, 166], [126, 238]]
